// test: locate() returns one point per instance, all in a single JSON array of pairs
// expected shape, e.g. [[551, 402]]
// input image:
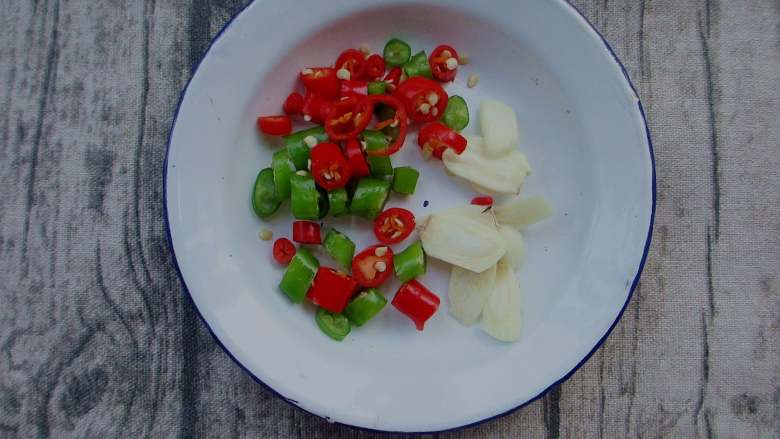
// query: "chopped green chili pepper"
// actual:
[[322, 203], [396, 52], [338, 201], [405, 180], [369, 197], [299, 275], [418, 66], [340, 247], [264, 200], [377, 88], [297, 147], [307, 201], [456, 115], [409, 263], [283, 168], [379, 165], [365, 306], [335, 326]]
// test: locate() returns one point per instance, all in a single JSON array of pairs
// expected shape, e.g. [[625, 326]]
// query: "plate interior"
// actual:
[[580, 129]]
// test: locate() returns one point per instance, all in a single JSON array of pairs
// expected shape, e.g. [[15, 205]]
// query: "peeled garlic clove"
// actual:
[[462, 241], [498, 124], [504, 175], [515, 246], [478, 213], [522, 212], [469, 292], [483, 190], [501, 314]]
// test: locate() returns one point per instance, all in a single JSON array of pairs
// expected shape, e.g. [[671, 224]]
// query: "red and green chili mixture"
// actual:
[[363, 106]]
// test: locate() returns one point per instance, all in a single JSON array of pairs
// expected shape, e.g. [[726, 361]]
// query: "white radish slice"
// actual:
[[522, 212], [515, 246], [501, 314], [504, 175], [498, 123], [469, 292], [462, 241]]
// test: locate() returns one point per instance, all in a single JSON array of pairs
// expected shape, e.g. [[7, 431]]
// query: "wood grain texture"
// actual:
[[97, 338]]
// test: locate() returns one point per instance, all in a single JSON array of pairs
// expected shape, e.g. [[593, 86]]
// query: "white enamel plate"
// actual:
[[582, 129]]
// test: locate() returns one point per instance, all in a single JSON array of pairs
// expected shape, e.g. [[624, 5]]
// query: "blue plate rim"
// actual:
[[584, 360]]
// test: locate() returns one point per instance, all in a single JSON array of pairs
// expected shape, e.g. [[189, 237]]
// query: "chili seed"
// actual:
[[380, 251], [266, 234], [427, 152], [473, 80], [380, 266]]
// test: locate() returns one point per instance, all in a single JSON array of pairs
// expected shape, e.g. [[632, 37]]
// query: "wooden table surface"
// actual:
[[97, 338]]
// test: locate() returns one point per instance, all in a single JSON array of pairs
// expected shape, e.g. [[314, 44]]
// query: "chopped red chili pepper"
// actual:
[[283, 251], [373, 266], [331, 289], [437, 137], [375, 67], [393, 225], [315, 107], [329, 167], [274, 125], [348, 117], [393, 78], [397, 121], [425, 100], [293, 104], [416, 302], [358, 165], [349, 88], [443, 69], [353, 61], [306, 232], [482, 201], [321, 81]]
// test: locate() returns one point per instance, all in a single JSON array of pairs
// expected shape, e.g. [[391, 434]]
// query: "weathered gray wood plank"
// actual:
[[656, 374], [92, 347], [98, 339], [741, 326]]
